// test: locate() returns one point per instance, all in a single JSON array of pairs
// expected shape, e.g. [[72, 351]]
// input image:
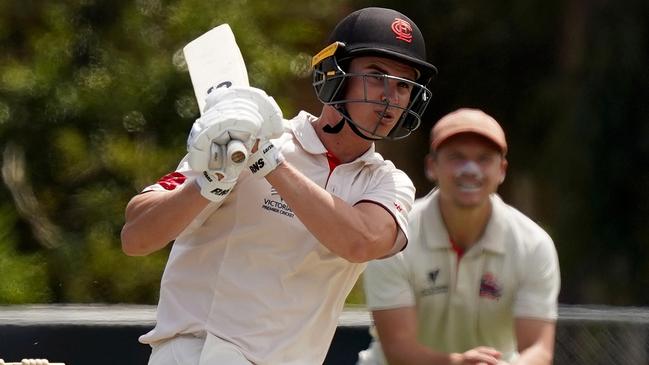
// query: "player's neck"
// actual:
[[465, 226], [345, 145]]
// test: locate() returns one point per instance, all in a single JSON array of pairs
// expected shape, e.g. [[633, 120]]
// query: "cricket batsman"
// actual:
[[265, 252]]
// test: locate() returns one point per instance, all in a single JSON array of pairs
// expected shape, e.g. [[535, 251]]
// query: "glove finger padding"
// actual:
[[227, 160], [272, 125], [265, 160], [237, 113], [236, 121]]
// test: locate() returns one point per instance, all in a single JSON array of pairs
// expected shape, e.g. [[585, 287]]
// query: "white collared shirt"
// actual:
[[251, 273], [511, 272]]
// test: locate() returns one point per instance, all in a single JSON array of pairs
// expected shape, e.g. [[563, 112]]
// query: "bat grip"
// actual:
[[216, 156], [236, 151]]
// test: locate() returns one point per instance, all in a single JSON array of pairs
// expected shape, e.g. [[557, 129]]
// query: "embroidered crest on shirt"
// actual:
[[398, 207], [431, 287], [432, 275], [277, 205], [490, 287]]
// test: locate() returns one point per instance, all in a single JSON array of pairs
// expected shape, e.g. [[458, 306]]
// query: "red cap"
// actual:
[[467, 120]]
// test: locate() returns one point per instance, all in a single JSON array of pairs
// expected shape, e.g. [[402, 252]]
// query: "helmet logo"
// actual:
[[402, 30]]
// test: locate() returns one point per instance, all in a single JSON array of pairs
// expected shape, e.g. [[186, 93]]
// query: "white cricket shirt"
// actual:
[[250, 272], [511, 272]]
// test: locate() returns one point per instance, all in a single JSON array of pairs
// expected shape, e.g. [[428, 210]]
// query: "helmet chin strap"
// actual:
[[335, 129]]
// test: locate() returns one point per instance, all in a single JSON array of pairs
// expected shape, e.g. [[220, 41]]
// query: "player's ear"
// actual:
[[429, 167], [503, 170]]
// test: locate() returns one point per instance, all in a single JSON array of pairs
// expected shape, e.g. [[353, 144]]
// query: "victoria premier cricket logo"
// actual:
[[277, 205]]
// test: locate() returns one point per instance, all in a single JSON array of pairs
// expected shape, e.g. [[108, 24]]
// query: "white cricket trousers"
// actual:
[[192, 350]]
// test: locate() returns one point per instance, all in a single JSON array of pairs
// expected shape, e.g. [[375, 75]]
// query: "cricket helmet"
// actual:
[[374, 32]]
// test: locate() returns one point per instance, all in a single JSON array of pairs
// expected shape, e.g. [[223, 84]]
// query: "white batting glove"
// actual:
[[224, 121], [265, 160], [214, 187], [232, 114], [272, 125]]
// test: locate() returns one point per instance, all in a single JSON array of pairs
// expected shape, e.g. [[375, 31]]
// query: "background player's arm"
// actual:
[[536, 305], [357, 233], [535, 339], [397, 330], [155, 218]]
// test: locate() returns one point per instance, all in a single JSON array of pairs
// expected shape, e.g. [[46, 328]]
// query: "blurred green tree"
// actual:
[[95, 104]]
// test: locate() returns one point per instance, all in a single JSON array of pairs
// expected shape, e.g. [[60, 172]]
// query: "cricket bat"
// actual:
[[214, 60]]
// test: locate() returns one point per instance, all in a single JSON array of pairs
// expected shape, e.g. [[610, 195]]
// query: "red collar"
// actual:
[[458, 250], [333, 161]]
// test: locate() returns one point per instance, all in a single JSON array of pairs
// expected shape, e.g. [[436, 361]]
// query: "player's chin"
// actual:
[[379, 131], [471, 198], [384, 126]]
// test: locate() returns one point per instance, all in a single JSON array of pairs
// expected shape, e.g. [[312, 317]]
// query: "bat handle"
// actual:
[[236, 151], [216, 156]]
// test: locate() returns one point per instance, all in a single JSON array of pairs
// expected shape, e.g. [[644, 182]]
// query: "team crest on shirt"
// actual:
[[431, 287], [277, 205], [432, 275], [490, 287], [398, 207]]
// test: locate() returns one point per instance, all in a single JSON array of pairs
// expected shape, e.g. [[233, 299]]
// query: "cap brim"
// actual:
[[481, 132]]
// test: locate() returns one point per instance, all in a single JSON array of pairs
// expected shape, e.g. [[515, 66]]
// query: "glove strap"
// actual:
[[265, 159], [212, 188]]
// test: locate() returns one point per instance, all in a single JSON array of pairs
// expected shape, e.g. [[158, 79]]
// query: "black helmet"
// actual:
[[374, 32]]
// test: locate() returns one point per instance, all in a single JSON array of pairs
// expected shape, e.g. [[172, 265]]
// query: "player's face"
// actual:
[[378, 117], [467, 168]]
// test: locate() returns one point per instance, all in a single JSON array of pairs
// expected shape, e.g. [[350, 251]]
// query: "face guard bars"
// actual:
[[330, 80]]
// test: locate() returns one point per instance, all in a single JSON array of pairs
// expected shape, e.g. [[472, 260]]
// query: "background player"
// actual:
[[263, 258], [478, 282]]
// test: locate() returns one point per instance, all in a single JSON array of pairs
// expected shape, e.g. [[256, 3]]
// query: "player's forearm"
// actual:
[[535, 355], [535, 339], [334, 222], [156, 218]]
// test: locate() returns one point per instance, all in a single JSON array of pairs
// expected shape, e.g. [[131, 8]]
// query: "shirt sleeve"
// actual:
[[537, 296], [387, 285], [174, 179], [395, 192]]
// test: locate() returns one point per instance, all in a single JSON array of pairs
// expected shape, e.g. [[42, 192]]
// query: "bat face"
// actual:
[[222, 84], [214, 60]]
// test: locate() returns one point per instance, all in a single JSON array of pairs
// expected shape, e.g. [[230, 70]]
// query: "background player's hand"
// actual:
[[481, 355]]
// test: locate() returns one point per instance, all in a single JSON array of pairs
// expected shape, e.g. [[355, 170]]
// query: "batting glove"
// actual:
[[272, 125], [265, 160], [232, 114], [214, 187]]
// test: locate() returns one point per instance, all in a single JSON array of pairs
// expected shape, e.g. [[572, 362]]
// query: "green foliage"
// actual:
[[23, 275], [95, 104]]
